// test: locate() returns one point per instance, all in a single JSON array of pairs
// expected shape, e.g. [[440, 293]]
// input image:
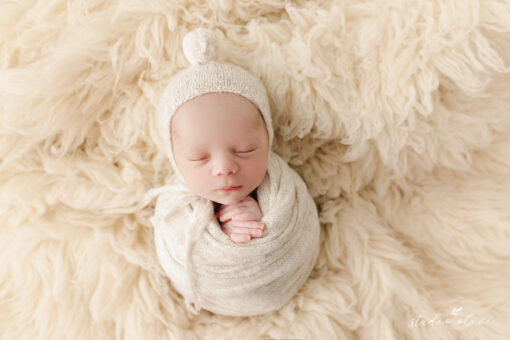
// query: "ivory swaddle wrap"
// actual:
[[203, 264], [224, 277]]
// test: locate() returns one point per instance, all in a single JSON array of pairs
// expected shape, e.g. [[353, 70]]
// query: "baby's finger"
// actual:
[[245, 224], [247, 231], [257, 233], [225, 216], [222, 209], [240, 238], [245, 216], [254, 232], [238, 230], [225, 208], [236, 237]]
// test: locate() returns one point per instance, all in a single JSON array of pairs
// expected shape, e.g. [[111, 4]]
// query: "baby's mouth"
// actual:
[[231, 188]]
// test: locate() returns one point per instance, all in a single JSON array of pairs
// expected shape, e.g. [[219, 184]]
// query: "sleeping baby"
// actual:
[[235, 229], [220, 145]]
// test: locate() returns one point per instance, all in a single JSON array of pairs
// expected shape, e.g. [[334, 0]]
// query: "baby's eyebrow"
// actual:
[[195, 150]]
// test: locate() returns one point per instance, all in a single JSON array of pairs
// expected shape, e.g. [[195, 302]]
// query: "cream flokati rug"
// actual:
[[395, 113]]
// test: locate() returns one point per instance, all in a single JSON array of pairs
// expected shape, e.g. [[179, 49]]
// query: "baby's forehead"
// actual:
[[216, 111], [242, 127]]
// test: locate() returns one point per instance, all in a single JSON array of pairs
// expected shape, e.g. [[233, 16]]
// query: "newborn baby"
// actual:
[[220, 145], [228, 187]]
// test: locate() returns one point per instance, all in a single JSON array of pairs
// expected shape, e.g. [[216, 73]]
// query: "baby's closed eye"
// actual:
[[199, 158], [204, 157], [245, 151]]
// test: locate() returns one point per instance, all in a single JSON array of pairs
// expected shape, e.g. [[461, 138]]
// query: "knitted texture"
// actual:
[[212, 272], [206, 75], [200, 46]]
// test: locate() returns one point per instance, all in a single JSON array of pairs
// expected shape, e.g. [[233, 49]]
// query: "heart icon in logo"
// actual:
[[456, 310]]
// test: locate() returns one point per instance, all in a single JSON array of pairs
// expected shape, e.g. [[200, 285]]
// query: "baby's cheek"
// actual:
[[256, 171], [195, 179], [202, 177]]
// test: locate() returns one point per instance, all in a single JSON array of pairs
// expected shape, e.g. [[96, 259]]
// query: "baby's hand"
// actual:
[[241, 221]]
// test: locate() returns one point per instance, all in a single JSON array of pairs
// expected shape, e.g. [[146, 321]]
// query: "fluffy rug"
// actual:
[[395, 113]]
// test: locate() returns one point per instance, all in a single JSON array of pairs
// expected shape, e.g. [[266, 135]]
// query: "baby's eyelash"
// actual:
[[199, 159], [248, 151]]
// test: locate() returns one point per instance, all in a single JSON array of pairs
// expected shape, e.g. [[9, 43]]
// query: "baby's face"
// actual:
[[220, 140]]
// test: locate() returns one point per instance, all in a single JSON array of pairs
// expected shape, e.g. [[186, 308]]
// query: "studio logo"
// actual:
[[457, 318]]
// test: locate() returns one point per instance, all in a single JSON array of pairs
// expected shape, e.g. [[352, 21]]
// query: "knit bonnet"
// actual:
[[207, 75]]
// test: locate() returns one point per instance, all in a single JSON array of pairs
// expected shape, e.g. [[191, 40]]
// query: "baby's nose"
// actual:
[[224, 165]]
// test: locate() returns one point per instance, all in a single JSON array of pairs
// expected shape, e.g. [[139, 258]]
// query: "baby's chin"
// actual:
[[228, 200], [222, 198]]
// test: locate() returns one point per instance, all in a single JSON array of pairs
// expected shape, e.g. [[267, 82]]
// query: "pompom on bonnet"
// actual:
[[207, 75]]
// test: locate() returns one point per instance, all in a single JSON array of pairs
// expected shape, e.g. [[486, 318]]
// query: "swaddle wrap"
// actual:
[[203, 264], [228, 278], [224, 277]]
